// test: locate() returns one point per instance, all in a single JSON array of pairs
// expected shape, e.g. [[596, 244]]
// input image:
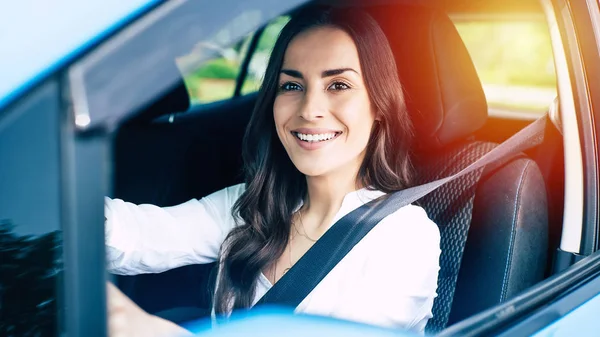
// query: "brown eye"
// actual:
[[339, 86]]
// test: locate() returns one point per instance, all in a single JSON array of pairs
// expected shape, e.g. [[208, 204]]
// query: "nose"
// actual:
[[313, 106]]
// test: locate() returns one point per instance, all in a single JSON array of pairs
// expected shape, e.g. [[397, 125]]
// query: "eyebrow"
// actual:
[[333, 72], [325, 73]]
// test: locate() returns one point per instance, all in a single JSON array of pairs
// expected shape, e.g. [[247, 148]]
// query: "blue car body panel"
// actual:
[[39, 36], [582, 321], [276, 321]]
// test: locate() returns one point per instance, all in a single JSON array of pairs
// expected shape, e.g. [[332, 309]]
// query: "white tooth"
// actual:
[[315, 137]]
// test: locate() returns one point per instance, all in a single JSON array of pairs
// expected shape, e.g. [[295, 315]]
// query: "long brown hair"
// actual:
[[274, 186]]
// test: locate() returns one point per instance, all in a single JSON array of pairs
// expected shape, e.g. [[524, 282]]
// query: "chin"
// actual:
[[311, 170]]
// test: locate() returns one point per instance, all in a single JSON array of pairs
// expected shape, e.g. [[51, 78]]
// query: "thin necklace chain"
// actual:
[[291, 247], [290, 256], [305, 234]]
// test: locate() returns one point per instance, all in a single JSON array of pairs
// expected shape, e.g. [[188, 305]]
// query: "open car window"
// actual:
[[514, 60], [112, 83], [260, 57], [216, 79]]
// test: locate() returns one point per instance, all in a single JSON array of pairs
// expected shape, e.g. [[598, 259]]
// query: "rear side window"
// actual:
[[515, 63], [260, 57], [214, 79]]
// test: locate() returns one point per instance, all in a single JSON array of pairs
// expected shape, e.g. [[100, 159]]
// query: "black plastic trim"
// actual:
[[83, 187], [563, 260], [584, 291], [244, 67], [502, 317]]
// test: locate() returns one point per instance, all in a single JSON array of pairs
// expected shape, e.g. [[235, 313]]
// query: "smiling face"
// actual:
[[322, 110]]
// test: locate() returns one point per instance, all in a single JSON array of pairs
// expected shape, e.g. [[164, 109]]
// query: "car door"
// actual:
[[51, 245], [565, 304], [30, 218], [57, 123], [57, 141]]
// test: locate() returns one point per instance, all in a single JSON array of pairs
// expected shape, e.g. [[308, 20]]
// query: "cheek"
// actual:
[[279, 112], [283, 111], [356, 114]]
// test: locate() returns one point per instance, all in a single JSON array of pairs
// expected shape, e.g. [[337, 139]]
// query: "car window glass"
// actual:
[[514, 62], [128, 72], [214, 79], [260, 57], [30, 216]]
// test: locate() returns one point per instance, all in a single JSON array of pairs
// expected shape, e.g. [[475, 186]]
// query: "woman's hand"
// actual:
[[126, 319]]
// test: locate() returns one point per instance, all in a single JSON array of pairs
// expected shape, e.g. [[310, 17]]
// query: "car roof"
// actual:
[[41, 36]]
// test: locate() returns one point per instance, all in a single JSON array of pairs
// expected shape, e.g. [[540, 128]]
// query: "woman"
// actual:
[[329, 133]]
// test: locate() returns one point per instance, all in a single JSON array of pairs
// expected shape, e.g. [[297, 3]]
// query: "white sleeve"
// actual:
[[151, 239], [402, 272]]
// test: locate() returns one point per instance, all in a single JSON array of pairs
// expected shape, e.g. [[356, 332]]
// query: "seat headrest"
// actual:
[[441, 87]]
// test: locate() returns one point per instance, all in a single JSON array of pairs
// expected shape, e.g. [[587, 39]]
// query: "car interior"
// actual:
[[500, 227]]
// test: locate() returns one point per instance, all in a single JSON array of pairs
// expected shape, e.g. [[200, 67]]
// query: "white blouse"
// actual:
[[389, 278]]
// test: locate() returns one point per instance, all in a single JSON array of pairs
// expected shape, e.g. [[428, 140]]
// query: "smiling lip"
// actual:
[[314, 145], [314, 131]]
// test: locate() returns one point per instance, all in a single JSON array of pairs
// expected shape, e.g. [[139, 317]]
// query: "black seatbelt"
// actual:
[[331, 248]]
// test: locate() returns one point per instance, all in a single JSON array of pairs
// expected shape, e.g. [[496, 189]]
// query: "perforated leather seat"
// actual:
[[501, 213]]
